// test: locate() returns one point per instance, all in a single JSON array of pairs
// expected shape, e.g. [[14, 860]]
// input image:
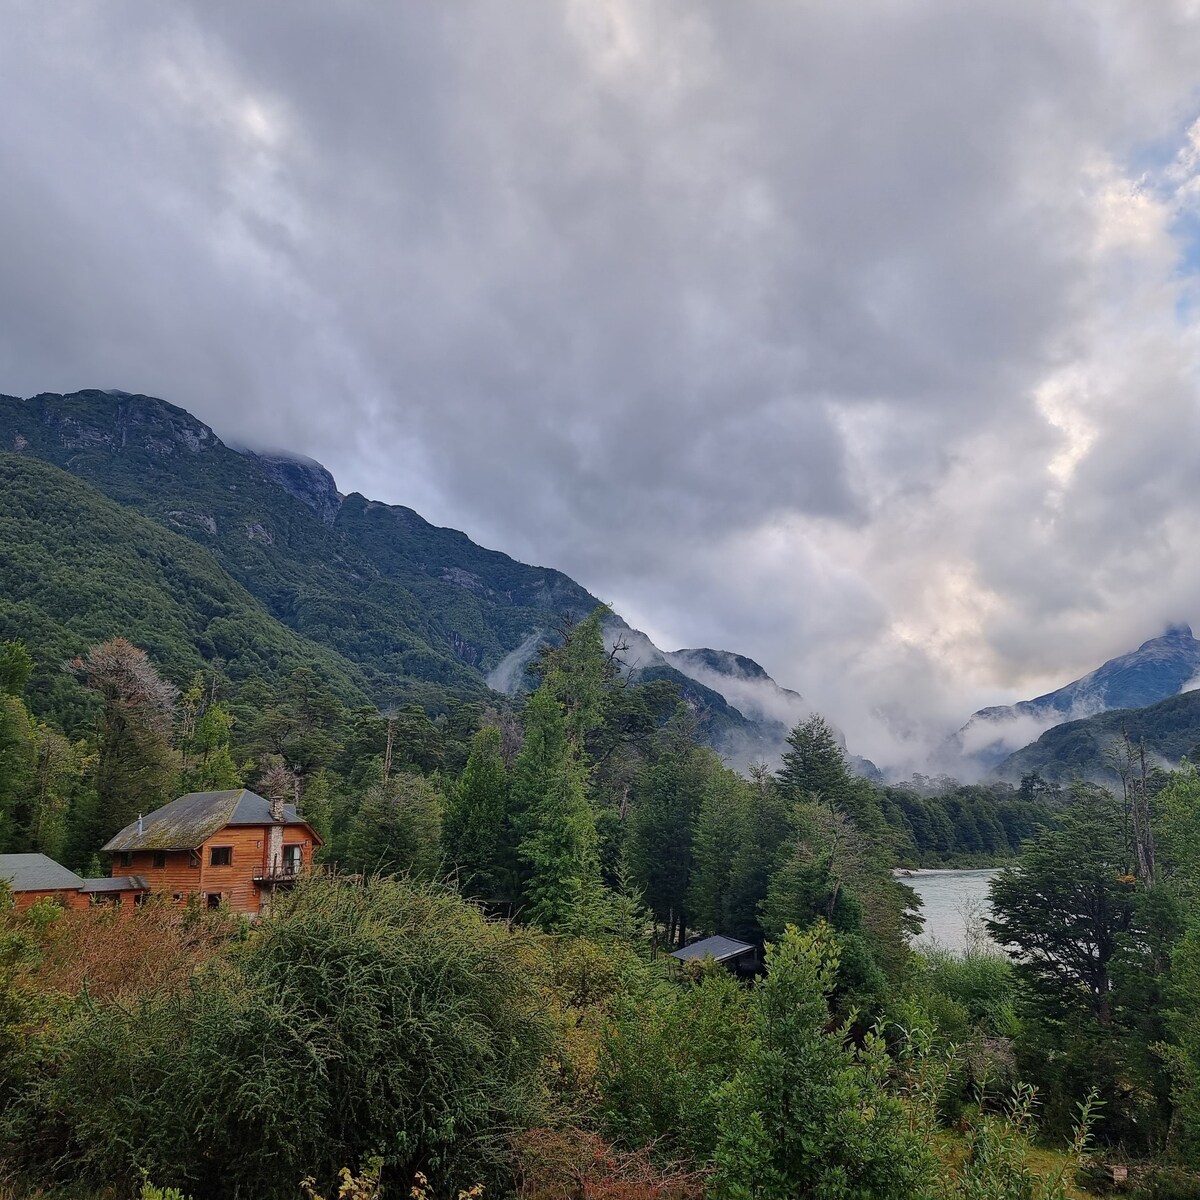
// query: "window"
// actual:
[[291, 859], [125, 858], [213, 899], [160, 859], [220, 856], [141, 898], [177, 896]]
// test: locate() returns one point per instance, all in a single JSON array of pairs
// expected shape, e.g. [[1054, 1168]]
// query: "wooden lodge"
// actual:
[[232, 847]]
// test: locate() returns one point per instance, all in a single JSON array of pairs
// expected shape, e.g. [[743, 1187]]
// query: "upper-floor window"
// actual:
[[125, 858], [220, 856], [160, 859]]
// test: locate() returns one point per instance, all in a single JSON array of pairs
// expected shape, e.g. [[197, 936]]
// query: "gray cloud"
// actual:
[[856, 338]]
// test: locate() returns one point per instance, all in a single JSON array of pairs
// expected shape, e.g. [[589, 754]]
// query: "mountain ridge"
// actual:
[[1161, 667], [410, 605]]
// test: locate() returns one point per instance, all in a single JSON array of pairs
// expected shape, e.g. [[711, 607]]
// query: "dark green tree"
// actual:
[[814, 763], [1069, 915], [805, 1115], [136, 766], [397, 829], [476, 812], [722, 826]]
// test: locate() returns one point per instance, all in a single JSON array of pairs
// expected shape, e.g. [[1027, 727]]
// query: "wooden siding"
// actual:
[[67, 897], [186, 874]]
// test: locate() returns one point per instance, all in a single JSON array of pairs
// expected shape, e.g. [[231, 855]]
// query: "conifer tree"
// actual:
[[553, 825], [814, 764], [136, 769], [475, 816], [397, 829], [722, 826], [209, 762]]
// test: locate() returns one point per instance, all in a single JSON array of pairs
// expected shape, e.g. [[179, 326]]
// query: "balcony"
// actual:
[[278, 874]]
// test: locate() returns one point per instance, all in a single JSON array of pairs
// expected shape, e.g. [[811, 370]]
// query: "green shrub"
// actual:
[[663, 1061], [379, 1018], [806, 1115]]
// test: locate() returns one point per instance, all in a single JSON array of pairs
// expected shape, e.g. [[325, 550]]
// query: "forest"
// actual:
[[475, 995]]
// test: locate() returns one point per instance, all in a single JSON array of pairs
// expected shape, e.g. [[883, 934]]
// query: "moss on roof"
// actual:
[[189, 821]]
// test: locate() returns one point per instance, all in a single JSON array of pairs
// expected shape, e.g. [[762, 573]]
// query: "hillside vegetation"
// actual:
[[76, 569], [1170, 730]]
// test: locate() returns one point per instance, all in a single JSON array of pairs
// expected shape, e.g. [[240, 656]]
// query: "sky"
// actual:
[[857, 338]]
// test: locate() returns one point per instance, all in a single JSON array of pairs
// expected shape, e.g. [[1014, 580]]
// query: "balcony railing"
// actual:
[[278, 873]]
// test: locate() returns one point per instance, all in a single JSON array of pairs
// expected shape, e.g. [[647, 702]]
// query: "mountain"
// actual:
[[1156, 670], [412, 611], [76, 568], [1170, 730]]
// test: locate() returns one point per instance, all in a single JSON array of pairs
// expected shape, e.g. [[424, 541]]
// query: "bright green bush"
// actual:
[[663, 1061], [807, 1115]]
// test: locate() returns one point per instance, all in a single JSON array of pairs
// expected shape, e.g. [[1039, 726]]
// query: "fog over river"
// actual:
[[954, 902]]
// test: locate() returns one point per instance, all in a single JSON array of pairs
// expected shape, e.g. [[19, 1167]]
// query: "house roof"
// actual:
[[191, 820], [118, 883], [37, 873], [719, 948]]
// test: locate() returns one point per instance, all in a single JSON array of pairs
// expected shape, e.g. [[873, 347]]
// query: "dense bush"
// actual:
[[360, 1019], [806, 1114]]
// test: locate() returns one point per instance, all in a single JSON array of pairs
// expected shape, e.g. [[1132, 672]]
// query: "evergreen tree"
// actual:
[[1068, 913], [755, 858], [397, 829], [666, 800], [814, 764], [722, 827], [555, 828], [18, 756], [209, 765], [135, 767], [559, 850], [16, 665], [805, 1115], [475, 816]]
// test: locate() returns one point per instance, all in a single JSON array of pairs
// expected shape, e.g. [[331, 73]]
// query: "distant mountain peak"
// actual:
[[1157, 669], [723, 661]]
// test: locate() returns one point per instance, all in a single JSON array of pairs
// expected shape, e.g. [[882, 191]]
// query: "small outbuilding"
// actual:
[[739, 957]]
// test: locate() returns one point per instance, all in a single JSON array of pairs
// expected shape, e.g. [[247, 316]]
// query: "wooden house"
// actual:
[[34, 877], [231, 847]]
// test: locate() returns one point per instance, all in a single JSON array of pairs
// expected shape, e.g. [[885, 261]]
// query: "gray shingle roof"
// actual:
[[37, 873], [718, 948], [190, 820], [119, 883]]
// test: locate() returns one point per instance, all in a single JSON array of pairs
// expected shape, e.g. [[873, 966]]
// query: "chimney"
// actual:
[[275, 804], [140, 828]]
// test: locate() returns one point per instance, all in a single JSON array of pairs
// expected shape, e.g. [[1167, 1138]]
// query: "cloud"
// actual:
[[860, 339]]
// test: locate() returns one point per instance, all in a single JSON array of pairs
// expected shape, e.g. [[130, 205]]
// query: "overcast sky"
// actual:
[[860, 338]]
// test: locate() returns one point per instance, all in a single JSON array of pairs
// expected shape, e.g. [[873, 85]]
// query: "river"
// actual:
[[955, 902]]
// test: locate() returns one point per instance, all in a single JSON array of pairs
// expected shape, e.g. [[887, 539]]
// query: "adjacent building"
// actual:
[[232, 847], [34, 877]]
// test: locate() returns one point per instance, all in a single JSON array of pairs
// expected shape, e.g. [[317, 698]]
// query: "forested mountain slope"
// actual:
[[1170, 729], [1155, 671], [420, 612], [76, 568]]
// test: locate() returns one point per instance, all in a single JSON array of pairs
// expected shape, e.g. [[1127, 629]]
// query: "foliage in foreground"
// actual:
[[378, 1018]]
